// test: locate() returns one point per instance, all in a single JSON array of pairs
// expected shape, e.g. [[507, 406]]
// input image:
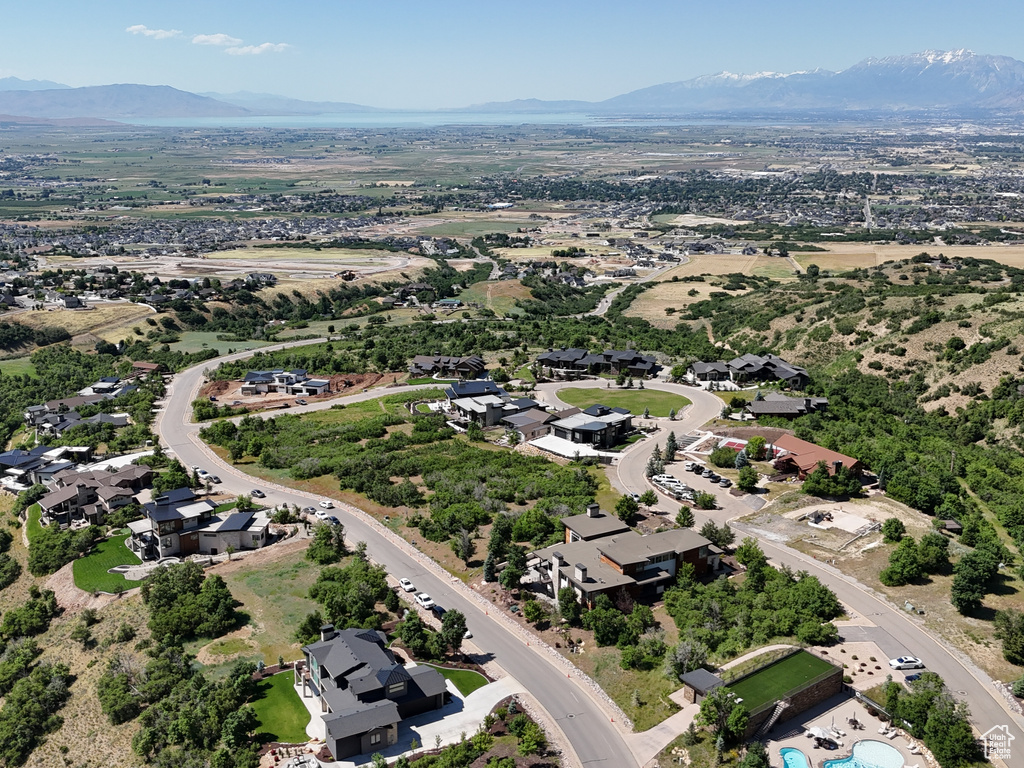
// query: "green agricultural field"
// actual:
[[197, 341], [283, 716], [472, 228], [90, 572], [776, 680], [635, 400]]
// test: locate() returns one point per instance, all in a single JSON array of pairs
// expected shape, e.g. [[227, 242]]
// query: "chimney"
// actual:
[[581, 572], [557, 561], [327, 632], [593, 510]]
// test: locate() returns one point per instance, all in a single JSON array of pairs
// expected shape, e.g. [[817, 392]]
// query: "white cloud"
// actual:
[[156, 34], [217, 39], [255, 50]]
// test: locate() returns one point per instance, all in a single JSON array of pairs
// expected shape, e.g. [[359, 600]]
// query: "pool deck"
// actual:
[[838, 710]]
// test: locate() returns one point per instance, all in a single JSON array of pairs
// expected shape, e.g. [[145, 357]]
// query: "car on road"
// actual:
[[213, 399], [203, 473], [309, 510], [467, 635], [424, 600], [333, 520], [635, 496], [912, 678], [214, 479], [906, 662], [406, 585], [256, 493], [326, 504], [321, 515], [236, 402], [300, 401], [707, 473], [195, 467], [725, 482], [438, 611], [697, 468]]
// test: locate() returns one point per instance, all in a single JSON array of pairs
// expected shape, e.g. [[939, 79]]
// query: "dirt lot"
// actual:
[[230, 392], [866, 557], [652, 303]]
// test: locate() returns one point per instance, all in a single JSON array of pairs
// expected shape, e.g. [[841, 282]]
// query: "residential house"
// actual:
[[470, 367], [293, 382], [598, 425], [713, 371], [593, 524], [72, 302], [574, 361], [87, 497], [769, 367], [142, 369], [489, 410], [475, 388], [364, 692], [175, 524], [782, 406], [799, 457], [642, 566], [530, 424]]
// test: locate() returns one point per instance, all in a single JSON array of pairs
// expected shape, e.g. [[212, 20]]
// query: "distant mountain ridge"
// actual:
[[954, 81]]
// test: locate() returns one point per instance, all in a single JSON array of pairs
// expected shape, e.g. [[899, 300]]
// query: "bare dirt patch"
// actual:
[[228, 392]]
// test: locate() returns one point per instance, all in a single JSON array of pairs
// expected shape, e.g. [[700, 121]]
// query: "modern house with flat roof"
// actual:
[[598, 425], [364, 692], [575, 361]]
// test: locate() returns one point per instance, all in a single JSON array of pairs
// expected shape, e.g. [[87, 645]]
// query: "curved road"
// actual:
[[895, 632], [587, 727]]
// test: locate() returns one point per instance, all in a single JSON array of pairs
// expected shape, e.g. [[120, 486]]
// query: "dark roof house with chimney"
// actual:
[[364, 692]]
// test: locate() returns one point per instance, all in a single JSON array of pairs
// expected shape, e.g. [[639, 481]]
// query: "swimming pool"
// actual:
[[868, 754], [793, 758]]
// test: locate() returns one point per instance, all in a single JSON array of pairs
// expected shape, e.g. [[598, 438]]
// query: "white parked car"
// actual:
[[327, 504], [424, 600], [906, 662], [406, 585], [321, 515]]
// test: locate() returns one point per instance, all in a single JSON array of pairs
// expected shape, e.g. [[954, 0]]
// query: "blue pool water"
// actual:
[[868, 754], [793, 758]]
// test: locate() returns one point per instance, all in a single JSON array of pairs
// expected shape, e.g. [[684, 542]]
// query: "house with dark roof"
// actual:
[[489, 410], [713, 371], [769, 367], [364, 692], [87, 497], [574, 361], [783, 406], [293, 382], [592, 524], [470, 367], [598, 425], [474, 388], [612, 560], [176, 524], [530, 424]]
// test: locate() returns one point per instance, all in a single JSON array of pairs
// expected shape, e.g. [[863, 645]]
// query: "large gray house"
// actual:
[[364, 693]]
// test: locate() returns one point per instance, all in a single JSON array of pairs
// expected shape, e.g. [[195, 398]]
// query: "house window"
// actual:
[[396, 688], [375, 738], [209, 535], [702, 552]]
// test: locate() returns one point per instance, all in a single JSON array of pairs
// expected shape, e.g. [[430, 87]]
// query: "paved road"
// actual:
[[895, 631], [595, 739]]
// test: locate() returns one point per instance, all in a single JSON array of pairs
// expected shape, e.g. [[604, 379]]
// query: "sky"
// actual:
[[449, 53]]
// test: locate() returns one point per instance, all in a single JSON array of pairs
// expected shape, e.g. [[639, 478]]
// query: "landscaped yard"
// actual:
[[635, 400], [466, 680], [91, 571], [283, 716], [776, 680]]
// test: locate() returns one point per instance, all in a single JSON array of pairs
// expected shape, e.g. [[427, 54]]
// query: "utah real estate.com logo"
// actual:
[[997, 740]]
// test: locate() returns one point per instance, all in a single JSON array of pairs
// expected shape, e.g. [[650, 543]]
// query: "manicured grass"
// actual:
[[91, 571], [466, 680], [635, 400], [33, 527], [775, 681], [283, 717]]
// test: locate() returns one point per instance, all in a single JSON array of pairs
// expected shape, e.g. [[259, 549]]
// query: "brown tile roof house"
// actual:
[[642, 565], [364, 692], [802, 457]]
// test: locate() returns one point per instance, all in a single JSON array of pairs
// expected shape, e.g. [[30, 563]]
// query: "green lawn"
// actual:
[[283, 716], [91, 571], [33, 527], [17, 366], [635, 400], [776, 680], [466, 680]]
